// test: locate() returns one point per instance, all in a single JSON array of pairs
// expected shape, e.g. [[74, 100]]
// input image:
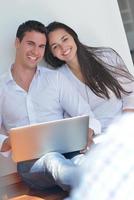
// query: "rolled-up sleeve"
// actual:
[[2, 135]]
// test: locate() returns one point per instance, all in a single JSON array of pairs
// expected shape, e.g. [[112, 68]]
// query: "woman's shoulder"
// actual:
[[108, 56], [104, 51]]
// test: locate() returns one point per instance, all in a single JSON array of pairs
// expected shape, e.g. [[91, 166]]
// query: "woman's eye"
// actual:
[[65, 39], [54, 47]]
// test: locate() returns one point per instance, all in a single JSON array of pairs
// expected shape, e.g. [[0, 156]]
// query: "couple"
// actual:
[[31, 94]]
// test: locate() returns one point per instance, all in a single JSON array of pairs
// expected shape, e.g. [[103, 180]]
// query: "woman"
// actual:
[[99, 74]]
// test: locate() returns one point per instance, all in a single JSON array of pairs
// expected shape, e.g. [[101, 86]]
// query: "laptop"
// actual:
[[63, 136]]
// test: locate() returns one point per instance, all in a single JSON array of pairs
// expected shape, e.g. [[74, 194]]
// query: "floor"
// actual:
[[20, 191]]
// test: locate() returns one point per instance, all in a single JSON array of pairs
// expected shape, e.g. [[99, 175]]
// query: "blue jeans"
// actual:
[[34, 174]]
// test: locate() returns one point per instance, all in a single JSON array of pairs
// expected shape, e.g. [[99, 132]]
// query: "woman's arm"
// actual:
[[128, 110]]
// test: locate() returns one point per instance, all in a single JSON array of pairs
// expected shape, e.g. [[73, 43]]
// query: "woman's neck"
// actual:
[[76, 70]]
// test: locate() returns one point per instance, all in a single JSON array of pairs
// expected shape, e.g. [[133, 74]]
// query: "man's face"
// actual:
[[30, 51]]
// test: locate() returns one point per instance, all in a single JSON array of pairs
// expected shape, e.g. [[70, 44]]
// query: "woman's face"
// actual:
[[62, 45]]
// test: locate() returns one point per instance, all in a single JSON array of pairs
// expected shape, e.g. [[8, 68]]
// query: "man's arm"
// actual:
[[73, 103], [4, 139]]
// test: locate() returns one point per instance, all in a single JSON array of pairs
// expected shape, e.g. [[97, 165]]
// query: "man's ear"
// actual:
[[17, 42]]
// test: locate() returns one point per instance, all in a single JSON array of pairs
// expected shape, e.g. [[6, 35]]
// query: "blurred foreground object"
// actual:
[[108, 173]]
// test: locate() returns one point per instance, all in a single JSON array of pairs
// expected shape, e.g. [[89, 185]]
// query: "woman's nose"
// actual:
[[62, 47]]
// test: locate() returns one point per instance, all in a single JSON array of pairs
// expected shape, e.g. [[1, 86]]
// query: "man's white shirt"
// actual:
[[50, 95]]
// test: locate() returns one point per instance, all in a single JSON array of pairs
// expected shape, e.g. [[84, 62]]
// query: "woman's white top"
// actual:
[[105, 110]]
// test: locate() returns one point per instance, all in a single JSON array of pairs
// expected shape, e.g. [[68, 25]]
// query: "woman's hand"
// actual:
[[89, 142], [128, 110]]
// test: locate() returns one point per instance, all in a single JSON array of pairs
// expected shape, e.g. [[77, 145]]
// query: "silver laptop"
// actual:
[[33, 141]]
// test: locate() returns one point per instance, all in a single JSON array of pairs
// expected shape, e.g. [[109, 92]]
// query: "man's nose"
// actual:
[[35, 50]]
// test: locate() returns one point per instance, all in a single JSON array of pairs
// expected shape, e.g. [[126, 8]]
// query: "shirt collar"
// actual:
[[9, 77]]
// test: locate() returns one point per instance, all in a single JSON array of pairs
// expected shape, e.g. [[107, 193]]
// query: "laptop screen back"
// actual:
[[33, 141]]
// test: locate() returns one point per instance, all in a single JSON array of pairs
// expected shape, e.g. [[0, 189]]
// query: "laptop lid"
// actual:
[[33, 141]]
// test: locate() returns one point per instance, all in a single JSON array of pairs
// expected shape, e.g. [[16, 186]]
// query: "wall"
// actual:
[[98, 23]]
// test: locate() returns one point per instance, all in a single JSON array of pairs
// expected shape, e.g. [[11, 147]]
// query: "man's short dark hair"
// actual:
[[29, 26]]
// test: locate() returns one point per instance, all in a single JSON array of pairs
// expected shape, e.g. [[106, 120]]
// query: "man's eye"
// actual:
[[43, 46], [30, 43]]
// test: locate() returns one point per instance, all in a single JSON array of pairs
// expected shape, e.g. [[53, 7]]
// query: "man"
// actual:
[[31, 94]]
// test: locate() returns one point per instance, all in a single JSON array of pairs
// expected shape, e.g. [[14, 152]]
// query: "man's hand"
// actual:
[[90, 140], [6, 145]]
